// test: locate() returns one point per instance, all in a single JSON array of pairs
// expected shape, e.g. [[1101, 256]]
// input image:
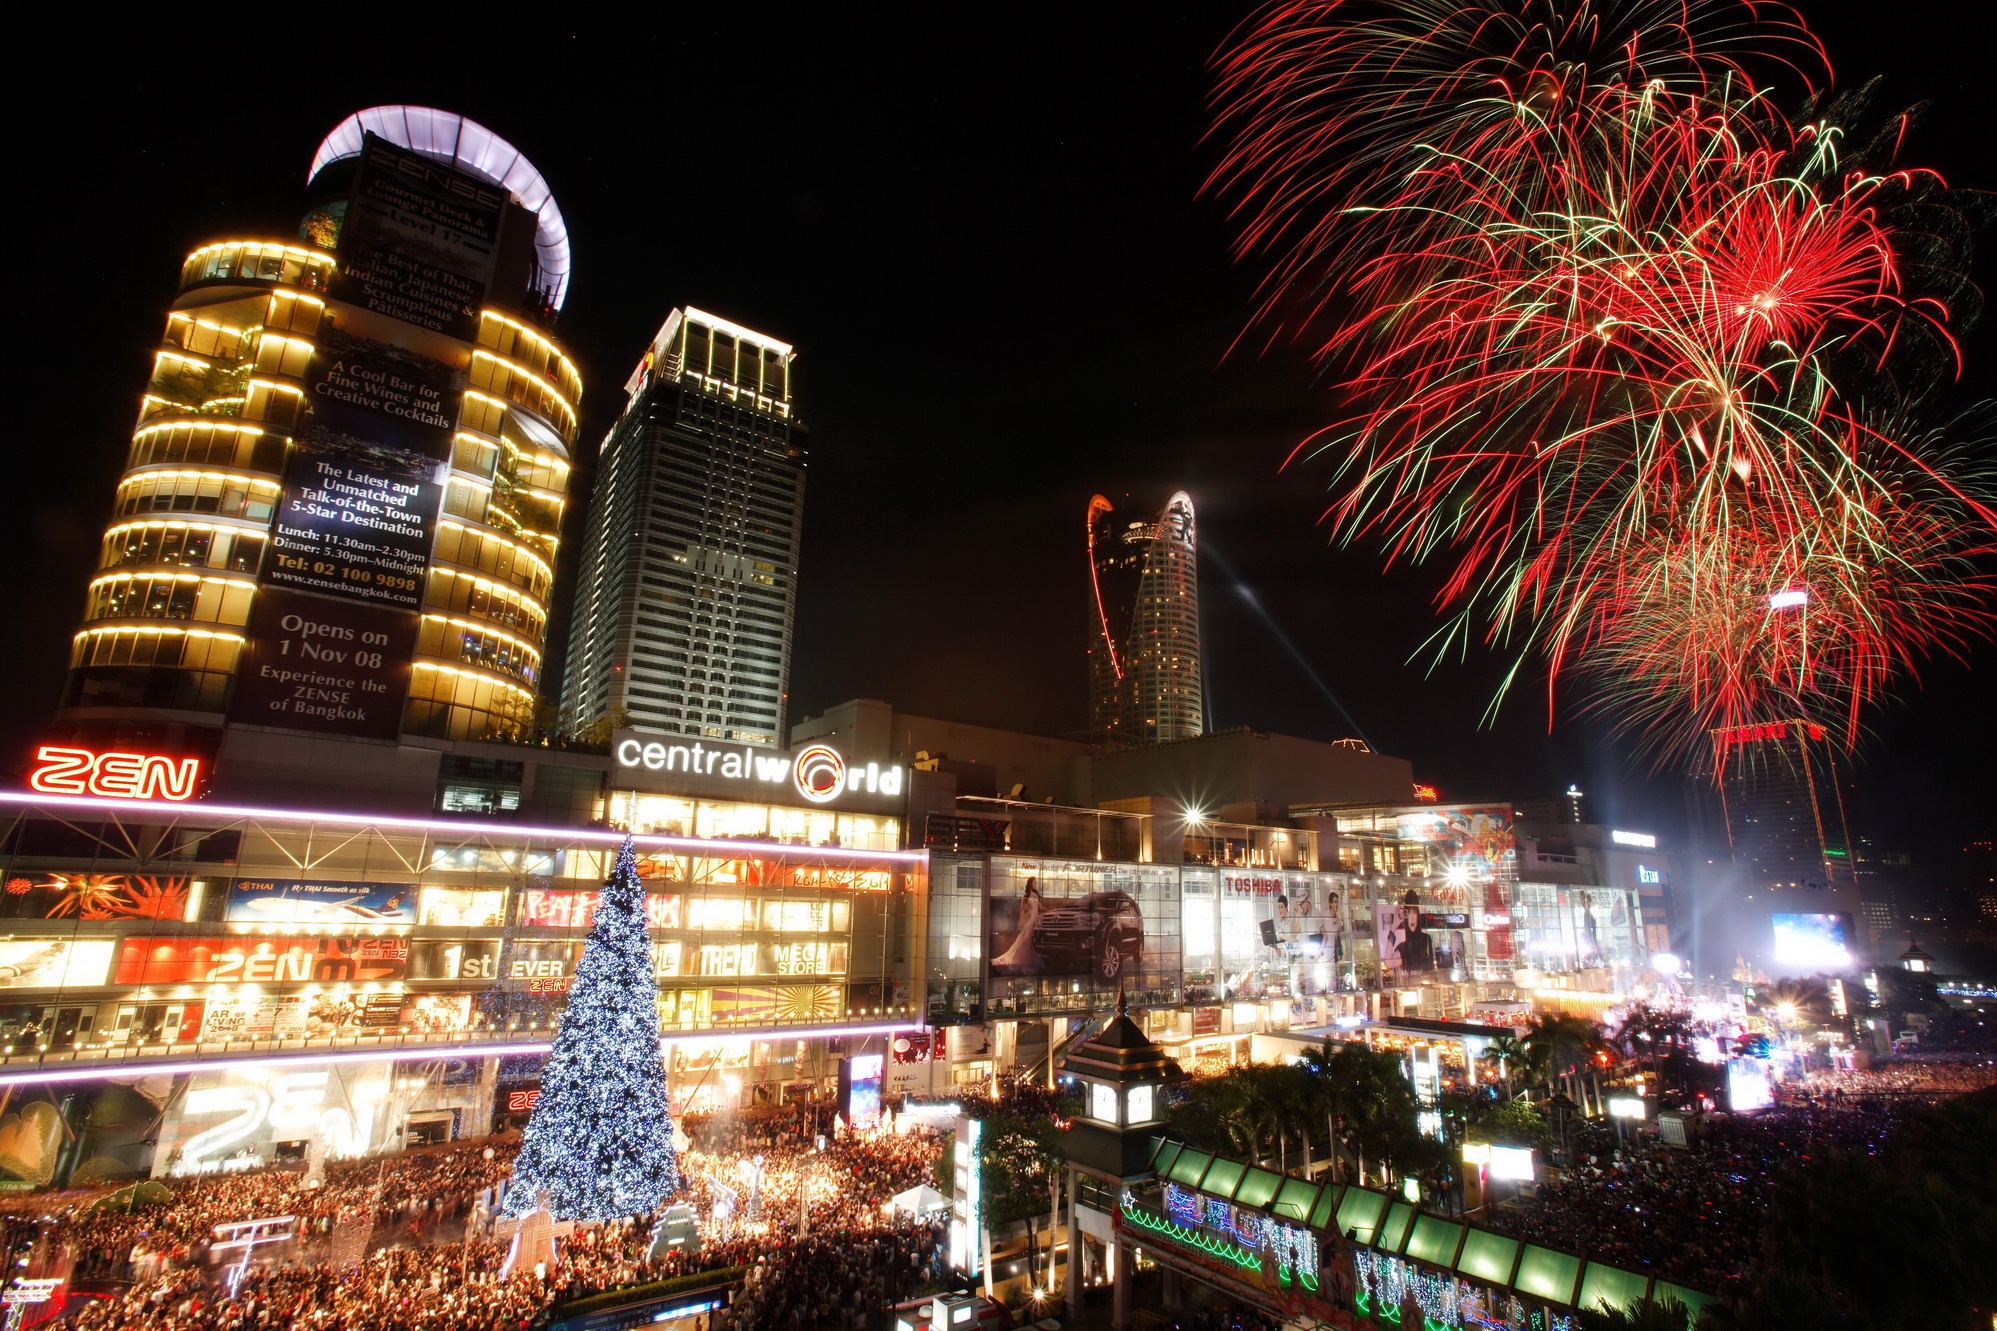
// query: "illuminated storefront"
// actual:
[[141, 933]]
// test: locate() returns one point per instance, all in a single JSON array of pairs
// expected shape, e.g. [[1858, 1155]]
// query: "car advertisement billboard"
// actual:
[[1108, 925], [1096, 933]]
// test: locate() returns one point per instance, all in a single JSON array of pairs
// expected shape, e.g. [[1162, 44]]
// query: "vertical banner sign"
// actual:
[[417, 243], [358, 514], [314, 663]]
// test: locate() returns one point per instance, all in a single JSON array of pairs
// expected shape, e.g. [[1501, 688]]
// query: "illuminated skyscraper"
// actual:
[[1144, 649], [688, 584], [1782, 808], [344, 490]]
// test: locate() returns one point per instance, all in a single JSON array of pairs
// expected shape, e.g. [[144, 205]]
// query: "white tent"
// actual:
[[920, 1200]]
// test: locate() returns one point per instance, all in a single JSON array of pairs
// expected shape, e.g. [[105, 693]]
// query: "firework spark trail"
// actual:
[[1619, 341]]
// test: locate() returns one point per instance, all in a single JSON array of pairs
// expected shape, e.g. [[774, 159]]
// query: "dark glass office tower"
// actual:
[[688, 581], [1144, 648], [1782, 806]]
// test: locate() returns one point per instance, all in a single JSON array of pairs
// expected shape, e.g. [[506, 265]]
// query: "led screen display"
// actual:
[[1811, 942]]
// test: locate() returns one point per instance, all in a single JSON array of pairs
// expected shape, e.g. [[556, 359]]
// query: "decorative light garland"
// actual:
[[1238, 1229], [1158, 1224]]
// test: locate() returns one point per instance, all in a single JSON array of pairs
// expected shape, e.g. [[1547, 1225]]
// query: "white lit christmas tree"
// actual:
[[600, 1143]]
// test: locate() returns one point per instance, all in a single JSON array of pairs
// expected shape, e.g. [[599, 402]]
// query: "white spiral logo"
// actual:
[[820, 773]]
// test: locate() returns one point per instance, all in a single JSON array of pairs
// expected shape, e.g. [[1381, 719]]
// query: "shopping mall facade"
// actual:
[[268, 975], [298, 860]]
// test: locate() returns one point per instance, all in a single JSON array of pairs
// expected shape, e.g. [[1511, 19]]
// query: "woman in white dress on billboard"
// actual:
[[1021, 955]]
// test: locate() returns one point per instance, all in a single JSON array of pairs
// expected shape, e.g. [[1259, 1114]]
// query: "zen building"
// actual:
[[688, 590], [344, 489], [409, 966]]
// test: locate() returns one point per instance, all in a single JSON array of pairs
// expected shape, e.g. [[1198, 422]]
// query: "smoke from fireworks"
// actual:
[[1630, 349]]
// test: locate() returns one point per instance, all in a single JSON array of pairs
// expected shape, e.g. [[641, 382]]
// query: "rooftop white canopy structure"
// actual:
[[469, 146]]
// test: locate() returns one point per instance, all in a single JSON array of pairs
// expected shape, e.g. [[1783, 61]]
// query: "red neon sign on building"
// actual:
[[1769, 730], [124, 776]]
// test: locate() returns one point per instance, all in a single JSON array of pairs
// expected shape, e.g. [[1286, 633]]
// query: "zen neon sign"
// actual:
[[124, 776]]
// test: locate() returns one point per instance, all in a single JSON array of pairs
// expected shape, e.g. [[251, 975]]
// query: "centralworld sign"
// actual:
[[818, 773]]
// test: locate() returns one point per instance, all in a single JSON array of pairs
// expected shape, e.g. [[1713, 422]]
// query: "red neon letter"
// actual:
[[117, 775], [62, 771], [162, 778]]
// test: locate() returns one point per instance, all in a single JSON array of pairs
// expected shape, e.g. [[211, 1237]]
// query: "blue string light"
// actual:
[[600, 1144]]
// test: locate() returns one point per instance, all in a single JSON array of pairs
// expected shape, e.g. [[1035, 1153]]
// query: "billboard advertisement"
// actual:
[[418, 240], [1748, 1086], [860, 1090], [297, 901], [1412, 939], [53, 963], [94, 896], [1096, 933], [560, 909], [1468, 845], [247, 960], [1811, 942], [357, 516], [314, 663], [355, 523], [1280, 933], [1107, 924]]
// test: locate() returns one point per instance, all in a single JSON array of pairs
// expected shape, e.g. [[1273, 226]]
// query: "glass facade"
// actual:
[[131, 937]]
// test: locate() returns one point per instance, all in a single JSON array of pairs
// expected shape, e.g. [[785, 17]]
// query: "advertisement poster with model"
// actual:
[[1282, 935], [1099, 933]]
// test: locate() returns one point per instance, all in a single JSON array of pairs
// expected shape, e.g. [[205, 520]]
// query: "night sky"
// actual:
[[986, 243]]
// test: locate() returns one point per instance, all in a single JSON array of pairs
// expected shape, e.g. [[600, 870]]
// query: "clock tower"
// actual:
[[1123, 1074]]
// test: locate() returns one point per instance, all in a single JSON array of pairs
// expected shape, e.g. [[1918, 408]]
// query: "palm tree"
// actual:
[[1364, 1096], [1563, 1045], [1643, 1315], [1323, 1090], [1508, 1052]]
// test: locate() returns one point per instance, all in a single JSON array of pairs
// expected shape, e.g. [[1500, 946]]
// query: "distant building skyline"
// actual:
[[1146, 685], [686, 594]]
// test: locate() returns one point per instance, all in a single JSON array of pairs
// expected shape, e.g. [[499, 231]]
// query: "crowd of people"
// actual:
[[1928, 1077], [1693, 1214], [435, 1260]]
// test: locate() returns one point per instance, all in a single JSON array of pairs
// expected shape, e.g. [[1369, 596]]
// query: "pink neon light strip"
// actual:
[[140, 1068], [718, 849]]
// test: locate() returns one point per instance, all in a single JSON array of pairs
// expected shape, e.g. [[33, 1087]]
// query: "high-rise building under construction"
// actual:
[[1144, 649]]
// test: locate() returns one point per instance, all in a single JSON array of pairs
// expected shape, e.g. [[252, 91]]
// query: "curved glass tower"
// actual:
[[1144, 640], [344, 494]]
